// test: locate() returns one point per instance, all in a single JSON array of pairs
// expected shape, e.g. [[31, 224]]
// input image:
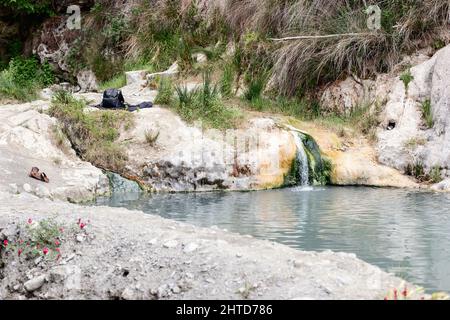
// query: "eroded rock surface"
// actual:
[[187, 158], [405, 139], [29, 138]]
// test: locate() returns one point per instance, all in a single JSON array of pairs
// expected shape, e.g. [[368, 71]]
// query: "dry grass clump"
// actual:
[[352, 47]]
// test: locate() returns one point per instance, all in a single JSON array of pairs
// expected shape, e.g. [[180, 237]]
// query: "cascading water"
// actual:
[[302, 160]]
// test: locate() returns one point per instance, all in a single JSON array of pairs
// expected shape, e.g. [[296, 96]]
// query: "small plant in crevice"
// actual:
[[416, 170], [246, 290], [165, 92], [151, 137], [427, 113], [414, 142], [435, 174], [407, 78]]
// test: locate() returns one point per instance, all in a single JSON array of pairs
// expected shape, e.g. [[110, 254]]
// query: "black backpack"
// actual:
[[113, 99]]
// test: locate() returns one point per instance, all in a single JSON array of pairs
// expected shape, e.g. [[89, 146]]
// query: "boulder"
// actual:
[[135, 76], [87, 81], [172, 72], [442, 186], [200, 58], [35, 283], [404, 138], [342, 97], [53, 43]]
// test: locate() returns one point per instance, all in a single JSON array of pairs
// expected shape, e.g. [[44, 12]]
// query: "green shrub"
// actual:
[[45, 233], [255, 89], [407, 78], [427, 113], [416, 170], [116, 82], [165, 92], [9, 89], [24, 77], [29, 6], [170, 31], [435, 175], [205, 104], [115, 28], [227, 81]]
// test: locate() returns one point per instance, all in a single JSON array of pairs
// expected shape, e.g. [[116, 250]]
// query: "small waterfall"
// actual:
[[302, 160]]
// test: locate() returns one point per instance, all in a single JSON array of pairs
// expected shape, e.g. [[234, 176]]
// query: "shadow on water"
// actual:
[[403, 232]]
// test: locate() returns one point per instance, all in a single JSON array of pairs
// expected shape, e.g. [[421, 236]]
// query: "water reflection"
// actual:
[[404, 232]]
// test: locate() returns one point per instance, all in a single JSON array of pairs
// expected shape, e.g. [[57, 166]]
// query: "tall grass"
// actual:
[[227, 80], [427, 113], [406, 26], [170, 30], [117, 82], [205, 104], [165, 92]]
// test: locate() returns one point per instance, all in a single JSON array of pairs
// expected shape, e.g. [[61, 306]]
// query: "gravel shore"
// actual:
[[125, 254]]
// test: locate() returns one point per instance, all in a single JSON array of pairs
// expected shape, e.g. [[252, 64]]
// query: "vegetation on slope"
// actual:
[[23, 78], [239, 39], [93, 135]]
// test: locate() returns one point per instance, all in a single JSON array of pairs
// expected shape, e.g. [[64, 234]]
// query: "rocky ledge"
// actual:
[[30, 138], [124, 254]]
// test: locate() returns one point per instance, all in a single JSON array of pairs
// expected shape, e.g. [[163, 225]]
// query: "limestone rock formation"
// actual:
[[187, 158], [405, 138], [29, 138], [87, 81]]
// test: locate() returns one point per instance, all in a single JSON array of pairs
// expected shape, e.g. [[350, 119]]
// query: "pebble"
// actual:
[[37, 260], [42, 192], [191, 247], [13, 188], [176, 289], [127, 294], [27, 187], [80, 238], [298, 264], [70, 257], [171, 244], [35, 283]]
